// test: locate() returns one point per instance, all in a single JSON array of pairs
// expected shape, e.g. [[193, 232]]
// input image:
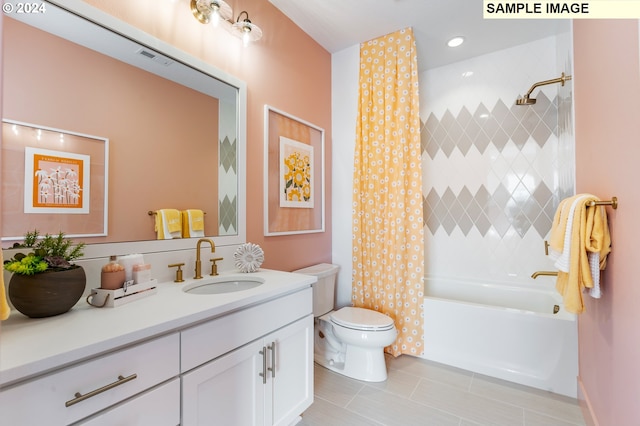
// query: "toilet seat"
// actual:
[[361, 319]]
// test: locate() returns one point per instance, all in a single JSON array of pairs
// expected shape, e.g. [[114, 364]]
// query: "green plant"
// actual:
[[51, 253]]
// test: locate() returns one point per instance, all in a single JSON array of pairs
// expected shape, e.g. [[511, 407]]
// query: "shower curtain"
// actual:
[[388, 244]]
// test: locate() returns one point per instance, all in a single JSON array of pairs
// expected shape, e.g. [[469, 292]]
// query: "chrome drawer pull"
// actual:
[[79, 397], [273, 359], [263, 352]]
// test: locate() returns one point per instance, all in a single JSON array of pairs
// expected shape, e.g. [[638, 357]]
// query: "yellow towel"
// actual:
[[192, 223], [168, 224], [4, 306], [589, 233]]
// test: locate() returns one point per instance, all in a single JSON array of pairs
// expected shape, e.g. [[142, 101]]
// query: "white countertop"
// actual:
[[29, 347]]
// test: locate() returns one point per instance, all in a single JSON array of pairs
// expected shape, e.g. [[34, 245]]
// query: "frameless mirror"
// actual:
[[174, 125]]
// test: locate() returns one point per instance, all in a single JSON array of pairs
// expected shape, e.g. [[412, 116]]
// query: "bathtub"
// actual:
[[506, 331]]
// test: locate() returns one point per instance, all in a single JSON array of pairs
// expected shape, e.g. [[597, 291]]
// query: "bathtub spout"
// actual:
[[549, 273]]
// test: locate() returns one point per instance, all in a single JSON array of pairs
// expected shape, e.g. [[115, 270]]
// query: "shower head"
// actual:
[[528, 100], [525, 101]]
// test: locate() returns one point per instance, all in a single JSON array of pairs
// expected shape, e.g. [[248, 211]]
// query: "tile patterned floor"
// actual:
[[419, 392]]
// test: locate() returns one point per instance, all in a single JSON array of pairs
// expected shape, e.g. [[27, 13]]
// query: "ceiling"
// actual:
[[338, 24]]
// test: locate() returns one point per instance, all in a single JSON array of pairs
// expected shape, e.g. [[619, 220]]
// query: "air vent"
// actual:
[[155, 57]]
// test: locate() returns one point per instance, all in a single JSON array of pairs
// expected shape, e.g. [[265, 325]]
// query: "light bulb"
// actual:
[[215, 18], [246, 36]]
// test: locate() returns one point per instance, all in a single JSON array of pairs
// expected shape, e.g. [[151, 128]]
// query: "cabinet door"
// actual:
[[292, 379], [226, 391]]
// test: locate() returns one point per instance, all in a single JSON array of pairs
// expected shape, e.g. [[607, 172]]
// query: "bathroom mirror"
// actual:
[[83, 71]]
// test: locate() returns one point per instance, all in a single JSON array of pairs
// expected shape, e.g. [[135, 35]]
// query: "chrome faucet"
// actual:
[[198, 261], [549, 273]]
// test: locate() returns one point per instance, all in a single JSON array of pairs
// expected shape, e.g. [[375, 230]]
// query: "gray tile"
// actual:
[[500, 139], [425, 369], [398, 383], [464, 117], [547, 403], [390, 409], [441, 395], [536, 419], [324, 413], [467, 405], [335, 388]]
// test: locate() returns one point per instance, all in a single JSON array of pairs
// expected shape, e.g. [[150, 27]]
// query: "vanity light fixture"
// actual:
[[246, 30], [212, 11], [455, 41], [215, 11]]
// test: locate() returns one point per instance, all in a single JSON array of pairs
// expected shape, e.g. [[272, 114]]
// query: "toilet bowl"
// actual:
[[349, 341], [361, 336]]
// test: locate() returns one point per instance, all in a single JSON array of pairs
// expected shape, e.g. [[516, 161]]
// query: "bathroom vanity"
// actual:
[[243, 357]]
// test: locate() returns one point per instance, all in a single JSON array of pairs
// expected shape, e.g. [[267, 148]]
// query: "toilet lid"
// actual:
[[362, 319]]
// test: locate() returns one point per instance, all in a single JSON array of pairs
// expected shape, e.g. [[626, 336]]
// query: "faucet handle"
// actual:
[[214, 267], [178, 272]]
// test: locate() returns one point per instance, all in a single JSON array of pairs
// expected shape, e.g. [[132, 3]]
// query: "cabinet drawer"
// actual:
[[130, 371], [158, 407], [208, 341]]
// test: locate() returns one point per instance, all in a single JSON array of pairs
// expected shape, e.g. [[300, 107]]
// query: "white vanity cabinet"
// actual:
[[83, 389], [258, 368]]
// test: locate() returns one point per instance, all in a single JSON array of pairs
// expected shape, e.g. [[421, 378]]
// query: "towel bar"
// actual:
[[613, 203]]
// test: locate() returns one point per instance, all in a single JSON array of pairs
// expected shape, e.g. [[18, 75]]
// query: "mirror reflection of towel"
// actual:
[[4, 306], [192, 223], [168, 224]]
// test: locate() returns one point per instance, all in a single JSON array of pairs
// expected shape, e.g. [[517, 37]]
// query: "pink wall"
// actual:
[[607, 116], [285, 69]]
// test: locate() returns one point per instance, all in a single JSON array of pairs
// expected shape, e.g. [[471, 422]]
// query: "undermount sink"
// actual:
[[225, 285]]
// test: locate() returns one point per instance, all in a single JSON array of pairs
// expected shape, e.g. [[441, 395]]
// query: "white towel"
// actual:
[[594, 265], [562, 259], [169, 220]]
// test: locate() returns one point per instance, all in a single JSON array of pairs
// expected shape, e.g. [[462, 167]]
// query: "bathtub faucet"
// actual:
[[538, 273]]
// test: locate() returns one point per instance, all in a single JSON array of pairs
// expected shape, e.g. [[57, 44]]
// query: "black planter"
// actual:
[[48, 293]]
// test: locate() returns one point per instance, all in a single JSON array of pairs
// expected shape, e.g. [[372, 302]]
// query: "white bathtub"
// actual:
[[503, 331]]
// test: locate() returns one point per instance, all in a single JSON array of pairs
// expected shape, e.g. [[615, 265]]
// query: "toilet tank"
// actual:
[[324, 290]]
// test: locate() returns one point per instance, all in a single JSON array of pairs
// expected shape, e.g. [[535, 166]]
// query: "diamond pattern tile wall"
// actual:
[[496, 126], [522, 203]]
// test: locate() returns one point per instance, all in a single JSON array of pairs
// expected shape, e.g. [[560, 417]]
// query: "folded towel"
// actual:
[[579, 229], [4, 306], [192, 223], [168, 224]]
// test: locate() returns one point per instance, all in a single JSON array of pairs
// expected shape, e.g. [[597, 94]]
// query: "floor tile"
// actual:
[[335, 388], [467, 405], [324, 413], [391, 410], [547, 403], [421, 392]]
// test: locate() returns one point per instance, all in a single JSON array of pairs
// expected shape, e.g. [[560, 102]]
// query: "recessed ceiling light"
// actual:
[[455, 41]]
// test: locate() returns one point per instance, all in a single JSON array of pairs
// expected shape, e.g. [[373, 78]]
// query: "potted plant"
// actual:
[[45, 282]]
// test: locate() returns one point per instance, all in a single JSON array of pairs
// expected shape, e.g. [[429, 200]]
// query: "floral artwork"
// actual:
[[55, 181], [296, 161]]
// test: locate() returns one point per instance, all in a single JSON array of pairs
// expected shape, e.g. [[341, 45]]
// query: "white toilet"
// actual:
[[349, 341]]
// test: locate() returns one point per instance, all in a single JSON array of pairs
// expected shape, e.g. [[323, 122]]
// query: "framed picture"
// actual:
[[294, 175], [53, 180], [56, 182]]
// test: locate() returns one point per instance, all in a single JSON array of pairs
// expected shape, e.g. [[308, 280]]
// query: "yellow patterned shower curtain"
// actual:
[[388, 244]]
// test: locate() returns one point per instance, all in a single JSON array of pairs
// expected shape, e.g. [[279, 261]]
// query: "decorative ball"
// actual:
[[248, 257]]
